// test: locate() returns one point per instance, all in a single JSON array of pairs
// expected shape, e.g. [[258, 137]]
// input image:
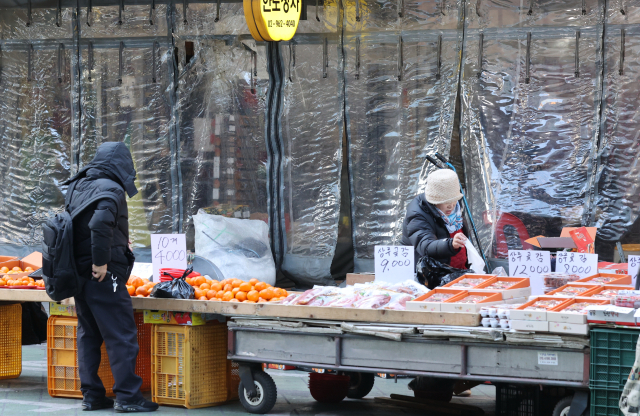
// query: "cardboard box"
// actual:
[[602, 314], [532, 326], [560, 315], [353, 278], [173, 318], [452, 305], [34, 258], [22, 264], [583, 240], [564, 241], [57, 309], [520, 288], [618, 279], [591, 289], [422, 303], [567, 328], [531, 315], [614, 268], [485, 278]]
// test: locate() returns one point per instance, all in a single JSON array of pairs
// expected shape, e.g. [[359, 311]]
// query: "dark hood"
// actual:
[[113, 159]]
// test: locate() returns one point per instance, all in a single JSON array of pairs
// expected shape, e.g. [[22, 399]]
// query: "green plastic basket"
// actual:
[[613, 352], [605, 402]]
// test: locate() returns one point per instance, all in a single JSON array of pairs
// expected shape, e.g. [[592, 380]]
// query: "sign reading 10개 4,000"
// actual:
[[272, 20]]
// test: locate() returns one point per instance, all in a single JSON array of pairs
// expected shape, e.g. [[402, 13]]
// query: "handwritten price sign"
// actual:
[[531, 264], [168, 251], [634, 265], [394, 264], [582, 264]]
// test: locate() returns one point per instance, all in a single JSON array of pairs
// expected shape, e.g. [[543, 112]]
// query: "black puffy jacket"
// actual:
[[101, 231], [425, 230]]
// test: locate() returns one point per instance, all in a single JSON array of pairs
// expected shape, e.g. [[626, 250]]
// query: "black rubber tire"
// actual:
[[360, 385], [561, 406], [265, 401]]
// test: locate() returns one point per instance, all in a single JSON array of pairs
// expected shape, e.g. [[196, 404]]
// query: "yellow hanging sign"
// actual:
[[272, 20]]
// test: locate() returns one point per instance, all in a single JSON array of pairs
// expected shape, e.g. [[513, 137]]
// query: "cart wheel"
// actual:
[[360, 384], [264, 401], [563, 407]]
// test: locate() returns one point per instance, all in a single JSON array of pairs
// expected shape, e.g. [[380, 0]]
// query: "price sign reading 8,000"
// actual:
[[168, 250], [582, 264]]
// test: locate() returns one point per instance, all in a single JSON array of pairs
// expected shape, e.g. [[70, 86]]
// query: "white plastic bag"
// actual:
[[474, 258], [239, 247]]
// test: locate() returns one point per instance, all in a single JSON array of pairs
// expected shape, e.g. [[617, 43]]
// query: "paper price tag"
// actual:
[[547, 358], [634, 265], [531, 264], [394, 264], [168, 251], [582, 264]]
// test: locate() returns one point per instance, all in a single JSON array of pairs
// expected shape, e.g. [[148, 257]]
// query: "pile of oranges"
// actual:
[[20, 281], [235, 290], [15, 270], [139, 287]]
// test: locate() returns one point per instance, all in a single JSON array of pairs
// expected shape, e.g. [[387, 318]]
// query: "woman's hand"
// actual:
[[458, 241]]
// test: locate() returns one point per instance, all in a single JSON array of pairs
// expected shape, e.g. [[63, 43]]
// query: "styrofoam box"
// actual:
[[637, 317], [509, 294], [424, 306], [610, 313], [524, 315], [567, 317], [568, 328], [535, 326], [465, 307]]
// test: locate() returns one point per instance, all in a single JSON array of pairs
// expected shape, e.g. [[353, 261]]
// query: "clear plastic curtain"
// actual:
[[616, 208], [531, 101], [402, 61], [221, 112], [120, 102], [312, 130], [36, 119]]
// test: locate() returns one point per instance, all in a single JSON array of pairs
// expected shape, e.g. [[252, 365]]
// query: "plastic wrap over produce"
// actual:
[[618, 201], [35, 141], [529, 130], [221, 112], [401, 88], [312, 129], [121, 102]]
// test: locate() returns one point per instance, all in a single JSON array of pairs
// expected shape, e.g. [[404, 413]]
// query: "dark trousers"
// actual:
[[105, 315]]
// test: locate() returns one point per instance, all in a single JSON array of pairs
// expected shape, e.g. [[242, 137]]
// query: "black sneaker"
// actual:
[[103, 403], [132, 407]]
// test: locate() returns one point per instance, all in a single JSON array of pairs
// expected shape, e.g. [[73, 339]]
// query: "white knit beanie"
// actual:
[[442, 187]]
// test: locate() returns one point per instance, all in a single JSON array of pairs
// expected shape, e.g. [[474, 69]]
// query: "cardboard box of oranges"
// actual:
[[174, 318], [235, 290]]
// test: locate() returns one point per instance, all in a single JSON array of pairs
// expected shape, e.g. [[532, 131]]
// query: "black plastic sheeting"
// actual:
[[253, 130]]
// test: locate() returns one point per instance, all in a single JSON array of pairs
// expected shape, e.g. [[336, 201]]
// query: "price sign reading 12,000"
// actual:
[[531, 264], [168, 251]]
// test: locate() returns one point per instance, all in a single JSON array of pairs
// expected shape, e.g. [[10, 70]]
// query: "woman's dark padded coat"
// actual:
[[101, 232], [425, 230]]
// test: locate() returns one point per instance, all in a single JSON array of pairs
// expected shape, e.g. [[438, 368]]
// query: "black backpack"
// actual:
[[59, 271]]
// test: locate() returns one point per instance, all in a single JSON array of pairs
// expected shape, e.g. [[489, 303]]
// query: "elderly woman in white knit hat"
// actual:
[[433, 225]]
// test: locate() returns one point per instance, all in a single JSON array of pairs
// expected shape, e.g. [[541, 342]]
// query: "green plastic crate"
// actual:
[[613, 352], [605, 402]]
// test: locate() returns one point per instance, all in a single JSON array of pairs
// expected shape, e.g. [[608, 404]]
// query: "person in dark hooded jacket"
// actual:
[[105, 312]]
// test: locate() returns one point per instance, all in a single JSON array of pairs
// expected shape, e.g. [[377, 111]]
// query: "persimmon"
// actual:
[[17, 269]]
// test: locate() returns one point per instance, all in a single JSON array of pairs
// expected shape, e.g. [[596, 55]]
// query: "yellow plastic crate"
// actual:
[[63, 379], [190, 366], [10, 341]]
